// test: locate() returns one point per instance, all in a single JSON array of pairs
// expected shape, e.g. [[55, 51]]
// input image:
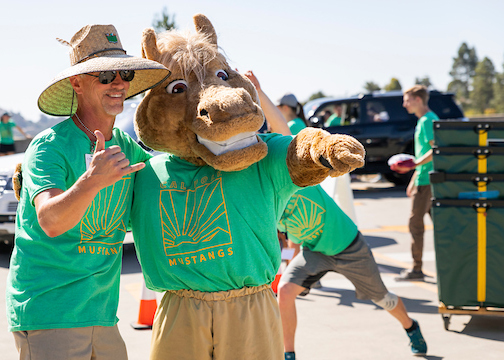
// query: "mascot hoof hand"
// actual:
[[315, 154], [342, 153]]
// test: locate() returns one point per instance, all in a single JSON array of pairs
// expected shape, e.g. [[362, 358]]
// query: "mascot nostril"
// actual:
[[205, 214]]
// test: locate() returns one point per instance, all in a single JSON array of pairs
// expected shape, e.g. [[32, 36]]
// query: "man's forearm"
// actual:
[[59, 211]]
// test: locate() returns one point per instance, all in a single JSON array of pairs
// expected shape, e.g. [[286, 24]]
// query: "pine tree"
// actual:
[[394, 84], [498, 89], [163, 22], [463, 69], [425, 81], [317, 95], [371, 86], [483, 80]]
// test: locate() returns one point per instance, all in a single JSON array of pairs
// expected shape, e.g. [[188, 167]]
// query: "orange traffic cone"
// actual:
[[148, 306], [274, 284], [287, 254]]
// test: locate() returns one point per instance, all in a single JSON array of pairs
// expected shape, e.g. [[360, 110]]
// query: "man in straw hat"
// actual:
[[63, 284]]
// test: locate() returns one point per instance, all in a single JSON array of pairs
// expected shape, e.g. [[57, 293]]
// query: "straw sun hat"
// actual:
[[96, 48]]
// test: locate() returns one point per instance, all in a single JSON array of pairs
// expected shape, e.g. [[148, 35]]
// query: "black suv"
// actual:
[[380, 123]]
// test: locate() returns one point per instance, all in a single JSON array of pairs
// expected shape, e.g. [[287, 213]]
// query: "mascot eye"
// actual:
[[222, 75], [176, 87]]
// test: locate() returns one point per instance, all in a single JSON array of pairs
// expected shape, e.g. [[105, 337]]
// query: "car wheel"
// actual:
[[398, 179]]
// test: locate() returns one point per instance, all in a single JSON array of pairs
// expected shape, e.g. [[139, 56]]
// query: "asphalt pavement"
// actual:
[[332, 322]]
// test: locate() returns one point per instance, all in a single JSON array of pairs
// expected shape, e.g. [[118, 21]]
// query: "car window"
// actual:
[[445, 107], [351, 113], [387, 109], [340, 113], [330, 114], [376, 112]]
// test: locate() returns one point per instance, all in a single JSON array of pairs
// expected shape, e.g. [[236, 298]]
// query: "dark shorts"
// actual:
[[5, 148], [356, 263]]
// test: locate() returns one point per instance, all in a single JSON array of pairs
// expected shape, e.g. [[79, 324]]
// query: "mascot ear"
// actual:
[[149, 45], [204, 26]]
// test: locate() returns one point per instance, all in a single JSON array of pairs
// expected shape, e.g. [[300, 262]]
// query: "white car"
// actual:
[[8, 201]]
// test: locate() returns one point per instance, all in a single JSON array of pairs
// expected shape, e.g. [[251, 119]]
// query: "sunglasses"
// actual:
[[106, 77]]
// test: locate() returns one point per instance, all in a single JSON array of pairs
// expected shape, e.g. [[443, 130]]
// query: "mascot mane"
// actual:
[[191, 53]]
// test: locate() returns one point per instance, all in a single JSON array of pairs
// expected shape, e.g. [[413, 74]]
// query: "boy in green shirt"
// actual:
[[415, 101]]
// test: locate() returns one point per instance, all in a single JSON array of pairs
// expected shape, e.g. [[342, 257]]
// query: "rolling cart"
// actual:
[[468, 216]]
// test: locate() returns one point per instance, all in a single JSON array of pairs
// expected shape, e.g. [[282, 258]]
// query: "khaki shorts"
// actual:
[[225, 325], [356, 263], [87, 343]]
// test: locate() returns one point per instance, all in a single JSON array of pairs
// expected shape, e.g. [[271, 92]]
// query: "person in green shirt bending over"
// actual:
[[415, 101], [330, 241], [6, 136]]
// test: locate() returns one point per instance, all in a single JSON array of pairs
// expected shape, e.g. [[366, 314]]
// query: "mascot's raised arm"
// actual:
[[204, 214]]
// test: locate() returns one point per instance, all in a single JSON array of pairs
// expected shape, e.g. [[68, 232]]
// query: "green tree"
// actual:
[[371, 86], [164, 21], [462, 72], [498, 89], [394, 84], [425, 81], [482, 83], [317, 95]]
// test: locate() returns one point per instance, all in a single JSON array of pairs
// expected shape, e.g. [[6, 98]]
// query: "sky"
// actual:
[[293, 46]]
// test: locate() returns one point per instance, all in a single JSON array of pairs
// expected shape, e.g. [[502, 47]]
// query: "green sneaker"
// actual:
[[290, 356], [417, 342]]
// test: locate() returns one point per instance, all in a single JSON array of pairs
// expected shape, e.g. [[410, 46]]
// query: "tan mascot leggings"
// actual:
[[225, 325]]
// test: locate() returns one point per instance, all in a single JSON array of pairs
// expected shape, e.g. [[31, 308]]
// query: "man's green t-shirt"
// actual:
[[296, 125], [71, 280], [313, 220], [202, 229], [6, 135], [424, 134]]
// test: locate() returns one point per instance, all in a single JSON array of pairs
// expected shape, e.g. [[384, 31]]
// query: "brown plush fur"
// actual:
[[17, 181], [218, 109], [342, 152], [210, 107]]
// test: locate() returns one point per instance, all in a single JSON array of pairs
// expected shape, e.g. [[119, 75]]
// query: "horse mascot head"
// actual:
[[208, 114]]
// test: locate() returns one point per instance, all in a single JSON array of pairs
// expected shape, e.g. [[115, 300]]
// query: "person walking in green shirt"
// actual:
[[6, 135], [415, 100]]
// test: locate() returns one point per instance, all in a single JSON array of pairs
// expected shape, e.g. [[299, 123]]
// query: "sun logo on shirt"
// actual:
[[105, 215], [200, 221], [306, 217]]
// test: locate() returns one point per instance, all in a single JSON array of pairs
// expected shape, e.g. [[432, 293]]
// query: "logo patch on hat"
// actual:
[[111, 37]]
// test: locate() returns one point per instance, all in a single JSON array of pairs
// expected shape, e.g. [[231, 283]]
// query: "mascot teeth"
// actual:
[[236, 142]]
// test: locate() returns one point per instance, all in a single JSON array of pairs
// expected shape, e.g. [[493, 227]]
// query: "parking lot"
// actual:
[[332, 323]]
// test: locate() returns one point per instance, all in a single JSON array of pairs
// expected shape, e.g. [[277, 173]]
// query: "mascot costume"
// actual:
[[204, 214]]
